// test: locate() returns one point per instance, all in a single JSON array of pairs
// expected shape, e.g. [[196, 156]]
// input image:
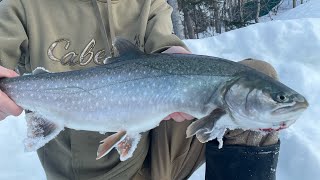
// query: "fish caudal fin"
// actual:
[[40, 131], [125, 145], [203, 128]]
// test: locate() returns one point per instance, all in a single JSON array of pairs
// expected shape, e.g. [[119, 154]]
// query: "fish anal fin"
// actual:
[[109, 143], [205, 124], [40, 131], [127, 146]]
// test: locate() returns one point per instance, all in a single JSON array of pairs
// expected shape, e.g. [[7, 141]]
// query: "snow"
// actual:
[[291, 44], [306, 10], [15, 163]]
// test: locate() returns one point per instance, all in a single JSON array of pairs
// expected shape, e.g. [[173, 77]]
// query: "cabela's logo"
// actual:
[[72, 58]]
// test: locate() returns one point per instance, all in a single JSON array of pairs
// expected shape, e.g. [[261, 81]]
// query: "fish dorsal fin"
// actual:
[[40, 70], [126, 48]]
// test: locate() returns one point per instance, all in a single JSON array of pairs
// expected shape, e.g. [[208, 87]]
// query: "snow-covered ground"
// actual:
[[291, 46]]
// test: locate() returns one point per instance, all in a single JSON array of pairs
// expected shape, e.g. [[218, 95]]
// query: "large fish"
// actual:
[[132, 93]]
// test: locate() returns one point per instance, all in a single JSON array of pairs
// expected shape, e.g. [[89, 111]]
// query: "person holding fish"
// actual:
[[75, 37]]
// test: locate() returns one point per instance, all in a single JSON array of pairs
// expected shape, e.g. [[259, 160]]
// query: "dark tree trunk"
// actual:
[[241, 12], [176, 20], [258, 11], [189, 24], [216, 13]]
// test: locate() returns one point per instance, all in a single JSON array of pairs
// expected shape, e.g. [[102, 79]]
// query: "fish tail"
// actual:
[[40, 131]]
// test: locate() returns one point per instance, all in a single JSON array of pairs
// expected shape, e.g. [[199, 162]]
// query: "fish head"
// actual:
[[258, 102]]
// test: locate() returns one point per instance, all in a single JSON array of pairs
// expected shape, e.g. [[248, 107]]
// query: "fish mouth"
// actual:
[[283, 125], [298, 106]]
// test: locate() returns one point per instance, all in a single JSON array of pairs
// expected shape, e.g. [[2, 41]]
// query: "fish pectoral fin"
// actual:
[[203, 127], [127, 146], [39, 131], [203, 135], [109, 143]]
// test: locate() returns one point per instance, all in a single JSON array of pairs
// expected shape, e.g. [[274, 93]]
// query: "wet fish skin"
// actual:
[[135, 91]]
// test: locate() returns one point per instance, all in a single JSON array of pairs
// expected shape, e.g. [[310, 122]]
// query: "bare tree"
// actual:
[[189, 24], [176, 20], [240, 3], [203, 18], [217, 12], [258, 11]]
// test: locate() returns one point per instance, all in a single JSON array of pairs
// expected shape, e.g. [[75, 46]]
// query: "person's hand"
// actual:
[[250, 138], [7, 106], [176, 50]]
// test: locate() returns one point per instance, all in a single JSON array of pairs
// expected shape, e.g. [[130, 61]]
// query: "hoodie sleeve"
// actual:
[[13, 38], [159, 33]]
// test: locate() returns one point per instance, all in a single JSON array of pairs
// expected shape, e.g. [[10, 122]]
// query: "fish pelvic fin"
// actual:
[[127, 146], [39, 131], [203, 127], [109, 143]]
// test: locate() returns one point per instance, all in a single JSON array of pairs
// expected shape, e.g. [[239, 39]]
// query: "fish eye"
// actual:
[[282, 98]]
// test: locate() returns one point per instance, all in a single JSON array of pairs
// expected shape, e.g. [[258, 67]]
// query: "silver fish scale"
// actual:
[[155, 85]]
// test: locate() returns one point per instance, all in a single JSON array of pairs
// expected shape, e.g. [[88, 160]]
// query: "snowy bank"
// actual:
[[293, 48]]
